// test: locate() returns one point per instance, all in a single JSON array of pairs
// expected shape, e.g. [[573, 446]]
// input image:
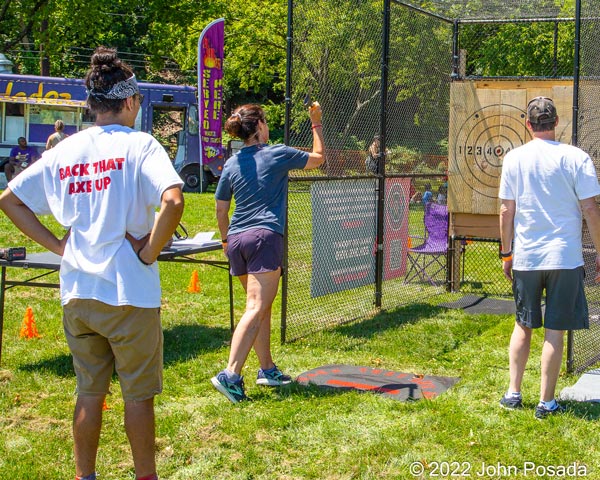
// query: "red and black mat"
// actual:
[[397, 385]]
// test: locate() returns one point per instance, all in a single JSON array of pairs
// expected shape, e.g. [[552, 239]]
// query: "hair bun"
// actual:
[[106, 59]]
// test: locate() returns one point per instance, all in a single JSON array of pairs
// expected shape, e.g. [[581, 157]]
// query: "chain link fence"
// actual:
[[369, 188], [488, 49], [383, 74], [583, 350]]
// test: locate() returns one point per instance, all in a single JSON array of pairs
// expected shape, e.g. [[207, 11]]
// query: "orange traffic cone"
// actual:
[[194, 286], [28, 328]]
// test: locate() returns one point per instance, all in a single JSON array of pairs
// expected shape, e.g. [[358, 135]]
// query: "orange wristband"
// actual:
[[507, 259], [316, 126]]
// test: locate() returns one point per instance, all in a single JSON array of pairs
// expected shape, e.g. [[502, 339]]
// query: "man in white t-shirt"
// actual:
[[103, 184], [545, 187]]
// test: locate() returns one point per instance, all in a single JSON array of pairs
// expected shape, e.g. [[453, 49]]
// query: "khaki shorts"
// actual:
[[104, 338]]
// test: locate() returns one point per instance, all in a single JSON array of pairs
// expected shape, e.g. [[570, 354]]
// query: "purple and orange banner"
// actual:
[[210, 90]]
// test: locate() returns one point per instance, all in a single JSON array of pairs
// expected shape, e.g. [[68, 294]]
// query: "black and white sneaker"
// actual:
[[542, 412], [511, 403]]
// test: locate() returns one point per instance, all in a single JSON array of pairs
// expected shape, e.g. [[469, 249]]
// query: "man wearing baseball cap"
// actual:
[[545, 188]]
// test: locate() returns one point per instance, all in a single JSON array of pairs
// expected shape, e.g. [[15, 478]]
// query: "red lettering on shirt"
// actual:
[[102, 166], [65, 173], [102, 183], [83, 169], [78, 170], [80, 187], [84, 187]]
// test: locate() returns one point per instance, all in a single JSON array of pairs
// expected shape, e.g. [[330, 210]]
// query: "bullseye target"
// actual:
[[481, 143], [395, 204]]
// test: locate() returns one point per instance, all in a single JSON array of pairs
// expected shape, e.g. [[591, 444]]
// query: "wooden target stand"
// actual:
[[487, 120]]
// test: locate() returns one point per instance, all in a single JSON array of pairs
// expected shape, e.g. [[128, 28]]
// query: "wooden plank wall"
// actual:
[[487, 119]]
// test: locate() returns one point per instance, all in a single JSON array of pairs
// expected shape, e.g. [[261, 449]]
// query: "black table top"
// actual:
[[51, 261]]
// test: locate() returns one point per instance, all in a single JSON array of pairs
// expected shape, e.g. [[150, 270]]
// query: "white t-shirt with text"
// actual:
[[102, 182]]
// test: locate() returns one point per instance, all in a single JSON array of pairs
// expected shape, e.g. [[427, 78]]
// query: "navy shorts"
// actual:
[[254, 251], [566, 305]]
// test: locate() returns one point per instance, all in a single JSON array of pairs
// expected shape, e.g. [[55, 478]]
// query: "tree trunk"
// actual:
[[44, 60]]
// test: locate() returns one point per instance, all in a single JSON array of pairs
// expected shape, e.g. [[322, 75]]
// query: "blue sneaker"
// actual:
[[234, 391], [272, 377]]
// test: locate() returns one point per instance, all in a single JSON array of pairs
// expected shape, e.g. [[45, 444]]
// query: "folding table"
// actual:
[[50, 262]]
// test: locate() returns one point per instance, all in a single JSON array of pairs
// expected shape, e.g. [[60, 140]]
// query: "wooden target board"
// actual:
[[487, 120]]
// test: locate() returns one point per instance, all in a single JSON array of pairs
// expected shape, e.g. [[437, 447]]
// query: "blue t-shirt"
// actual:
[[257, 177], [427, 197]]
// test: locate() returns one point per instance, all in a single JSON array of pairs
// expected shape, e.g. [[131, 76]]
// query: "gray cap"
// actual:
[[541, 110]]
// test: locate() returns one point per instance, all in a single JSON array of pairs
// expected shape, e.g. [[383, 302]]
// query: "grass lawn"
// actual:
[[294, 432]]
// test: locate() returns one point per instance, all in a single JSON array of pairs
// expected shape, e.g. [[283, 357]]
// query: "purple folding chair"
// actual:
[[428, 260]]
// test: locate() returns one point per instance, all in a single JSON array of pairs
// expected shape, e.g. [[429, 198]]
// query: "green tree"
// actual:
[[338, 60], [67, 32], [57, 38]]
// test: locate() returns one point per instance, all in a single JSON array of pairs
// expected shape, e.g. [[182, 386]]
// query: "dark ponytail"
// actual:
[[243, 123]]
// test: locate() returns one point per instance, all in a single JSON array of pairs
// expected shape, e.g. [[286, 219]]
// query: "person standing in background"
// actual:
[[104, 184], [442, 195], [257, 178], [427, 194], [57, 136], [372, 159]]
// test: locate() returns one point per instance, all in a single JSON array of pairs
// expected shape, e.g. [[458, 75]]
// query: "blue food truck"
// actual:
[[29, 106]]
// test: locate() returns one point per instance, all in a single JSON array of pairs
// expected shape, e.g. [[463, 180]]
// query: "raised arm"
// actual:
[[317, 156]]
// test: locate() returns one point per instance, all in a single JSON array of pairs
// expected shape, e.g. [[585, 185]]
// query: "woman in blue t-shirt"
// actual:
[[257, 178]]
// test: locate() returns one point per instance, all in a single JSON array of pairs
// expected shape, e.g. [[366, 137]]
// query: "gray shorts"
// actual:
[[254, 251], [566, 305]]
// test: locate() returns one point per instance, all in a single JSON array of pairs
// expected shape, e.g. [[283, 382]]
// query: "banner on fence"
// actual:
[[344, 233], [343, 225], [395, 239]]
